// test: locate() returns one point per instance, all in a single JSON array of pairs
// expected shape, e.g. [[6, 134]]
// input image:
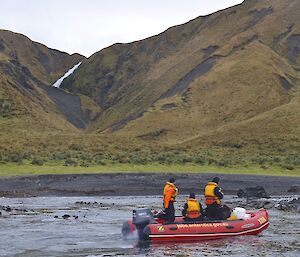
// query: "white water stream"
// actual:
[[67, 74]]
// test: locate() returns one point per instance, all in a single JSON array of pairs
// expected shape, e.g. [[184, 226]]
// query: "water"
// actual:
[[67, 74], [96, 231]]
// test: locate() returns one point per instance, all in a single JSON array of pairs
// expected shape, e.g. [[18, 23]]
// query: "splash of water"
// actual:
[[67, 74]]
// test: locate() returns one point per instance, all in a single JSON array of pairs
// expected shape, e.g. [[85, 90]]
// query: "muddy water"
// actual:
[[96, 231]]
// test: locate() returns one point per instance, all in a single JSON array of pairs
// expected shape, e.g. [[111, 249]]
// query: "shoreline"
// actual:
[[130, 184]]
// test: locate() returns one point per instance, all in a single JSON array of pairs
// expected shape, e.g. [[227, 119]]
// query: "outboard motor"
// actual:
[[141, 218]]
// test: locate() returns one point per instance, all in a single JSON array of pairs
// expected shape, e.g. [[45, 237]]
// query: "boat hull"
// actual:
[[181, 231]]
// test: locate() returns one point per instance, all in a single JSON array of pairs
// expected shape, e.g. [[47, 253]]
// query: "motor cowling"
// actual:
[[141, 218]]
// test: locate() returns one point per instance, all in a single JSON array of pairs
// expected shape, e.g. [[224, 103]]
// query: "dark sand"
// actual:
[[117, 184]]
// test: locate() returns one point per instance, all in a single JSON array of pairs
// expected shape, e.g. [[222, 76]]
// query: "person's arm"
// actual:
[[218, 192], [167, 199], [184, 209]]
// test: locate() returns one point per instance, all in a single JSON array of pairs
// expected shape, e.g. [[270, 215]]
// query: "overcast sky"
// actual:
[[87, 26]]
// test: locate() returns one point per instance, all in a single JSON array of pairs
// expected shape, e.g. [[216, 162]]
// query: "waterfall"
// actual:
[[67, 74]]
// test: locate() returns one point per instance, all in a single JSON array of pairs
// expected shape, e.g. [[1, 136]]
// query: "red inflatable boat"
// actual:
[[157, 231]]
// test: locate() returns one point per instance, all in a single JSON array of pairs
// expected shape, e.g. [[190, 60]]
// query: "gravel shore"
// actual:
[[117, 184]]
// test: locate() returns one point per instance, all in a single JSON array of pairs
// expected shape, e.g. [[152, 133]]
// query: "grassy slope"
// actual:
[[205, 106], [258, 124], [249, 74], [45, 64], [25, 66], [133, 76], [29, 109], [239, 102]]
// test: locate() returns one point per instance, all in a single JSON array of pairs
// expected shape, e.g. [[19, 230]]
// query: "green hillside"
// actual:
[[27, 100], [222, 89]]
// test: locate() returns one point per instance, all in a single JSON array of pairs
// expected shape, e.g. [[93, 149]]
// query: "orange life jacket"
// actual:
[[209, 193], [170, 192], [193, 211]]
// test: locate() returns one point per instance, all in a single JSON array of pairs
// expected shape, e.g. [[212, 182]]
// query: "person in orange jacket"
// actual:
[[192, 209], [170, 193]]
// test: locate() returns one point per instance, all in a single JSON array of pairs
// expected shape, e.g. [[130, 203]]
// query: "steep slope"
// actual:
[[27, 70], [224, 88], [195, 78], [43, 63]]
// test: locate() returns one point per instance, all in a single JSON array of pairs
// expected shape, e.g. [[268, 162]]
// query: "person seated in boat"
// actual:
[[213, 195], [170, 193], [192, 210]]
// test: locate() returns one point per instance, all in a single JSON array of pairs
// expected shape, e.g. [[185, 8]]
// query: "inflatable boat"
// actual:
[[157, 230]]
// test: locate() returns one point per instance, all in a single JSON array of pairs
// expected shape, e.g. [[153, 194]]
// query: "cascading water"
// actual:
[[67, 74]]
